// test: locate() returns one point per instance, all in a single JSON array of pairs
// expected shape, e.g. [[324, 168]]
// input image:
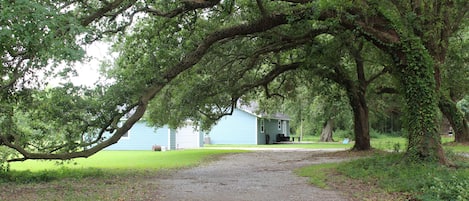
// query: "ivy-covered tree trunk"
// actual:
[[455, 118], [326, 134], [414, 72]]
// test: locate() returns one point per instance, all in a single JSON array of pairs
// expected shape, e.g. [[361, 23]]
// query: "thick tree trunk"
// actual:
[[455, 118], [326, 134], [357, 99], [361, 126], [415, 74]]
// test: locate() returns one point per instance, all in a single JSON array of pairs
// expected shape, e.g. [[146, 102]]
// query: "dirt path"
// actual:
[[259, 175]]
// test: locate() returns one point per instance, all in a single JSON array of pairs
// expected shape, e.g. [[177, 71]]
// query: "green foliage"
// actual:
[[36, 26], [40, 123], [340, 5], [463, 105], [455, 72], [425, 181], [446, 188], [341, 134], [25, 177], [417, 83], [37, 35], [5, 154]]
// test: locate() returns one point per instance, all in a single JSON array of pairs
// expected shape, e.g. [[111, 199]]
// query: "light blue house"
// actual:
[[245, 126], [143, 137]]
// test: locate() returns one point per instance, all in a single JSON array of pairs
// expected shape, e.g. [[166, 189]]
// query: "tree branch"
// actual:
[[261, 7], [269, 77], [189, 5], [376, 76], [260, 25], [102, 12]]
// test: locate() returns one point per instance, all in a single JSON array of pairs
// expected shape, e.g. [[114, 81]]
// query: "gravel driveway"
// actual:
[[258, 175]]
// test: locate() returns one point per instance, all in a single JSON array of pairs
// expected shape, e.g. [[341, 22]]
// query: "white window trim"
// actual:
[[284, 127]]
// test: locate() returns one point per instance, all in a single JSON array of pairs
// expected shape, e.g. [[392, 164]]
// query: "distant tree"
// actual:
[[453, 75], [463, 105]]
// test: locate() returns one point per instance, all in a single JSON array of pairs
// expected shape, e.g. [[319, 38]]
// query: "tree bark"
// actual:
[[455, 118], [326, 134], [361, 127], [356, 91]]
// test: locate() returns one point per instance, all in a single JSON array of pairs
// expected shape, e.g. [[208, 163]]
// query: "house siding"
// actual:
[[271, 128], [239, 128], [261, 136], [142, 137]]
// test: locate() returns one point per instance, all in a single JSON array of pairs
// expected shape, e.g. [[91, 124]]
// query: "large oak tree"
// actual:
[[194, 31]]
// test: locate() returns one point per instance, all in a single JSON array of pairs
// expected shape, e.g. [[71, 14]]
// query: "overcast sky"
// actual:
[[88, 71]]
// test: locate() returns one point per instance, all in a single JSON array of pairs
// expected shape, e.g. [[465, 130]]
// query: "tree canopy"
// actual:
[[195, 59]]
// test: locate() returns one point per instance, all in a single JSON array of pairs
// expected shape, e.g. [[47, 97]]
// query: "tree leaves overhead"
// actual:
[[32, 34], [196, 59]]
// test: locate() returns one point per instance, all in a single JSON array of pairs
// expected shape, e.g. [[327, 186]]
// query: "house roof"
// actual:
[[253, 108]]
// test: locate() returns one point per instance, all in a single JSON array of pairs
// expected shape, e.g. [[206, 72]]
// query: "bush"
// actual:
[[426, 181], [27, 176], [449, 188], [341, 134], [5, 154]]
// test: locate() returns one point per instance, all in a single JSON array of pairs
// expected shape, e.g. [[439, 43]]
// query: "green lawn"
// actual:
[[122, 160], [310, 145], [107, 175], [313, 143], [382, 142]]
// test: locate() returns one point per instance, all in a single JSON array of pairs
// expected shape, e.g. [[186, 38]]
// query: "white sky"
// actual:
[[88, 70]]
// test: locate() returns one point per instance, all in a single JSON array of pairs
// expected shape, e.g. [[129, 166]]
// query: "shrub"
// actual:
[[341, 134], [426, 181], [5, 153], [449, 188], [27, 176]]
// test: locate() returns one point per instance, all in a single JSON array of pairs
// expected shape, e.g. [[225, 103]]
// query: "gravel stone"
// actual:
[[254, 176]]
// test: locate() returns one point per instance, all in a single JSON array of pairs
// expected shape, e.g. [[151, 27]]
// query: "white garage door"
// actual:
[[187, 138]]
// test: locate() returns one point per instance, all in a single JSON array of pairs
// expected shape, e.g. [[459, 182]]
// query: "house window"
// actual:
[[262, 125], [279, 125]]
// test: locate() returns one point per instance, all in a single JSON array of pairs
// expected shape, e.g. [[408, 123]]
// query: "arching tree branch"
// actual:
[[260, 25]]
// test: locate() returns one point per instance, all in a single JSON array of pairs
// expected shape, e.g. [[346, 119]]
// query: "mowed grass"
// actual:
[[121, 160], [305, 145], [381, 142], [107, 175], [107, 164]]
